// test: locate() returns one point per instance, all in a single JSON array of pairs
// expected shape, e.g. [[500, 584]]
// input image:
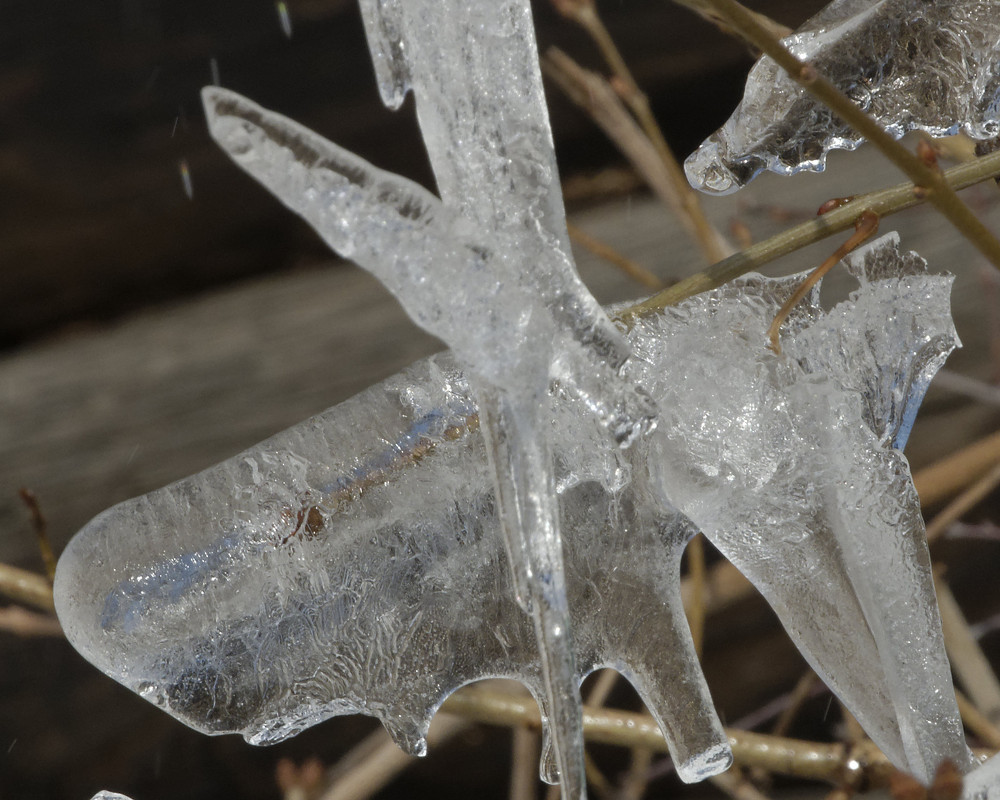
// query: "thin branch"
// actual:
[[26, 587], [635, 271], [883, 202], [835, 763], [964, 503], [584, 12], [970, 664], [927, 178], [30, 500], [602, 103]]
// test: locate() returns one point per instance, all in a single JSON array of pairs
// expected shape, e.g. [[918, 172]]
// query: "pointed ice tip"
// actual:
[[707, 173]]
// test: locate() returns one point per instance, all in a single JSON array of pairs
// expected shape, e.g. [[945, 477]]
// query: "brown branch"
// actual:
[[883, 202], [635, 271], [584, 12]]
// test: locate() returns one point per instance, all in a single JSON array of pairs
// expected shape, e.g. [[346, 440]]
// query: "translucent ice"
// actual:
[[487, 268], [106, 795], [791, 466], [355, 563], [908, 63]]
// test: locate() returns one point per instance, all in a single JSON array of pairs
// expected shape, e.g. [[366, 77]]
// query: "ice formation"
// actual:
[[355, 563], [911, 64], [106, 795]]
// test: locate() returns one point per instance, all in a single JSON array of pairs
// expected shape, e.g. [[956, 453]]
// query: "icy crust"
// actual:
[[910, 64], [355, 563]]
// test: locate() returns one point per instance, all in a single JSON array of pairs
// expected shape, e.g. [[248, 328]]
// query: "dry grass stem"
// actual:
[[801, 692], [883, 202], [22, 622], [970, 664], [695, 606], [965, 502], [382, 761], [601, 249], [713, 244], [601, 102], [526, 744], [26, 587], [926, 177]]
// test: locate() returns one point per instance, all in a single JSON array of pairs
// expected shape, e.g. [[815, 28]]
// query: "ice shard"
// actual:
[[791, 465], [910, 64], [356, 563], [508, 302]]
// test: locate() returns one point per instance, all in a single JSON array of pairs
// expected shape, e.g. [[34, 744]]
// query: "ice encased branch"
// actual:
[[911, 65], [355, 562], [789, 465]]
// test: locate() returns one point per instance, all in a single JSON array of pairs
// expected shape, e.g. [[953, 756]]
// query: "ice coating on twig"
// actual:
[[355, 563], [106, 795], [910, 64], [789, 466]]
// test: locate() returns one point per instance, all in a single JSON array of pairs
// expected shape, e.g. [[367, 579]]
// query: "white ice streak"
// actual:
[[910, 64]]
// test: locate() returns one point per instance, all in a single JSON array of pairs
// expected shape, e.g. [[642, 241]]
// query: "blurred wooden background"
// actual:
[[146, 335]]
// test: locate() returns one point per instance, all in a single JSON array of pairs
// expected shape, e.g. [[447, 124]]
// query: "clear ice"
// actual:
[[355, 563], [910, 64]]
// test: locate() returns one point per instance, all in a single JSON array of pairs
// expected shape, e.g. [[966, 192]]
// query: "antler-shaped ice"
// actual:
[[791, 466], [912, 65], [492, 273], [355, 562]]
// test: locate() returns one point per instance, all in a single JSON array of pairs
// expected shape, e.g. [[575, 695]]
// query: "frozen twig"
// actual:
[[883, 202], [926, 178]]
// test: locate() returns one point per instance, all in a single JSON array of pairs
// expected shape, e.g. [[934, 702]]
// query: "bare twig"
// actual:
[[883, 202], [734, 784], [30, 500], [26, 587], [801, 692], [635, 271], [928, 179], [382, 761], [22, 622], [598, 98], [525, 748], [964, 503], [584, 12], [971, 666]]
